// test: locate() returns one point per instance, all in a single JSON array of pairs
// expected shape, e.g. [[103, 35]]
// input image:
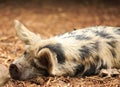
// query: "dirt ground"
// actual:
[[49, 18]]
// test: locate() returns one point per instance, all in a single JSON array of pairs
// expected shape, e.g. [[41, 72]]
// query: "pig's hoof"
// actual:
[[109, 73]]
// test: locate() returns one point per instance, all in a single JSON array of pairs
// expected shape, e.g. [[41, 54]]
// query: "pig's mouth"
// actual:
[[14, 71]]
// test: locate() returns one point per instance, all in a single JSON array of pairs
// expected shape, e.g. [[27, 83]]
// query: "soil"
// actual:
[[49, 18]]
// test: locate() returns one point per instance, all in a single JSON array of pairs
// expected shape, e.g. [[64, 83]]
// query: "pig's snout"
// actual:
[[15, 72]]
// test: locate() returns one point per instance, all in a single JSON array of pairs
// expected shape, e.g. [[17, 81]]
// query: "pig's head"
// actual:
[[34, 61]]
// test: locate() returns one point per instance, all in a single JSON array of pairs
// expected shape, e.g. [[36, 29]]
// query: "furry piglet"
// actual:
[[82, 52]]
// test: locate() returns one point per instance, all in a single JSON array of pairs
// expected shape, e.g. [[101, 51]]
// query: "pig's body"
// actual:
[[81, 52]]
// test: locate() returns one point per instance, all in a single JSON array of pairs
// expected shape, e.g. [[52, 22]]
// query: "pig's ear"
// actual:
[[24, 34], [46, 59]]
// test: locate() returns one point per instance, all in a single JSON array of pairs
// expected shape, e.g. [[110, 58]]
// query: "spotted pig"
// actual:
[[82, 52]]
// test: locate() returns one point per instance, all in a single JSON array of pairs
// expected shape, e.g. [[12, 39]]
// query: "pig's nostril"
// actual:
[[14, 72], [14, 68]]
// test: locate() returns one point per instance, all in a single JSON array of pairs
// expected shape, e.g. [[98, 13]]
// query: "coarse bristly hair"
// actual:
[[81, 52]]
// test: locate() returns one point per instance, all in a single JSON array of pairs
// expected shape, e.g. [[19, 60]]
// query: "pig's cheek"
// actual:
[[28, 73]]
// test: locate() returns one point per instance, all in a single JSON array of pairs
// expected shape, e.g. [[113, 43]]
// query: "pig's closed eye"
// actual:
[[26, 54]]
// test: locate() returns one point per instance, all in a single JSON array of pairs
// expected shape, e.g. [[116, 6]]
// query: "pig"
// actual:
[[82, 52]]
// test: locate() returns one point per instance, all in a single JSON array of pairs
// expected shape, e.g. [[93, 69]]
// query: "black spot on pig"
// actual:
[[113, 53], [117, 31], [56, 48], [103, 65], [112, 44], [103, 34], [94, 46], [91, 70], [82, 37], [85, 52]]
